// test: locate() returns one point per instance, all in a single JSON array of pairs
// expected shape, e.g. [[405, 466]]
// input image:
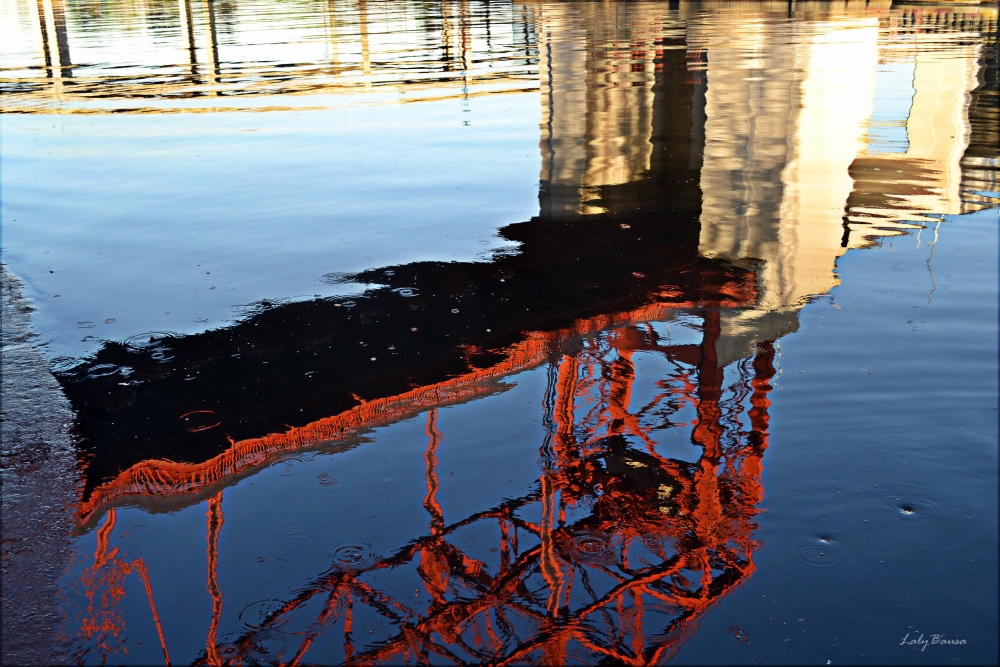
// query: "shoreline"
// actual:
[[39, 485]]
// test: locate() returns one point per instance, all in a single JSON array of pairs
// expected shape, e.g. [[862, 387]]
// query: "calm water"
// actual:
[[576, 333]]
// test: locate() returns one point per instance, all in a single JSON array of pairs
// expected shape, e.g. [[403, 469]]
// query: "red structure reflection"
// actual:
[[614, 556]]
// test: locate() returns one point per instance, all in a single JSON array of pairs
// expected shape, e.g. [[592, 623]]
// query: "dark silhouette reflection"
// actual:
[[612, 556], [616, 550], [642, 515]]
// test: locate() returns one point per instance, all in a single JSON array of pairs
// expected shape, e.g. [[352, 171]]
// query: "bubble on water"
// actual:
[[349, 304], [624, 226], [328, 479], [389, 272], [821, 640], [454, 310], [589, 546], [738, 634], [637, 274], [817, 555], [406, 291], [352, 557], [87, 324]]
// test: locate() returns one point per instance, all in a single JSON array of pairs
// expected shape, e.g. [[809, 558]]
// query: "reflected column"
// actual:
[[187, 36]]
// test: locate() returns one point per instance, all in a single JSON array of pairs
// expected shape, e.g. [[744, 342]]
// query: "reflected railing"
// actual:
[[629, 550]]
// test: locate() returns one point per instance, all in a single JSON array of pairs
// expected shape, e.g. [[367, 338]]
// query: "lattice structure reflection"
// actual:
[[613, 556]]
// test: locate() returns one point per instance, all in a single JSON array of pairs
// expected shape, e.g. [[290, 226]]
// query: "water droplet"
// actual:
[[328, 479], [354, 556], [816, 556], [739, 634], [589, 546]]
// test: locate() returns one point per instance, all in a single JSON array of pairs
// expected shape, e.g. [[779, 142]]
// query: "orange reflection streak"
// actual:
[[103, 586], [214, 519], [668, 532], [430, 457], [166, 478]]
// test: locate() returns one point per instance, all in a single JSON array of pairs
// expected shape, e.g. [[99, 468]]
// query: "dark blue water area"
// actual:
[[881, 476]]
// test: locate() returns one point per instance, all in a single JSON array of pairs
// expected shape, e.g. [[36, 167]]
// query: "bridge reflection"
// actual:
[[693, 179]]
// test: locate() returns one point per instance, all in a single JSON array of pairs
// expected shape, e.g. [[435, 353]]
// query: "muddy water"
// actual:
[[514, 332]]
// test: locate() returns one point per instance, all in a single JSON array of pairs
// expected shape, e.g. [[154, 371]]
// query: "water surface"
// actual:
[[515, 332]]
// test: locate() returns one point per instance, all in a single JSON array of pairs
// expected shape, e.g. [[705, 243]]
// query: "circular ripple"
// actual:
[[255, 614], [228, 651], [546, 463], [407, 291], [86, 325], [908, 505], [266, 645], [354, 556], [199, 420], [328, 479], [817, 556], [738, 634], [102, 370], [589, 546], [147, 341], [821, 640], [296, 544], [652, 542], [349, 304], [162, 355]]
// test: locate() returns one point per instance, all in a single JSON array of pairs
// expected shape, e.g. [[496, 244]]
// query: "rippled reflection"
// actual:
[[702, 169]]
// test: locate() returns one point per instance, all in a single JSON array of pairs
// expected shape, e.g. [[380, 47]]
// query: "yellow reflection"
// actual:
[[596, 70], [925, 178]]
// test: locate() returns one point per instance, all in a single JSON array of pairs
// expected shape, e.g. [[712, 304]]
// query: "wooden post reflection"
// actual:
[[187, 36], [366, 58]]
